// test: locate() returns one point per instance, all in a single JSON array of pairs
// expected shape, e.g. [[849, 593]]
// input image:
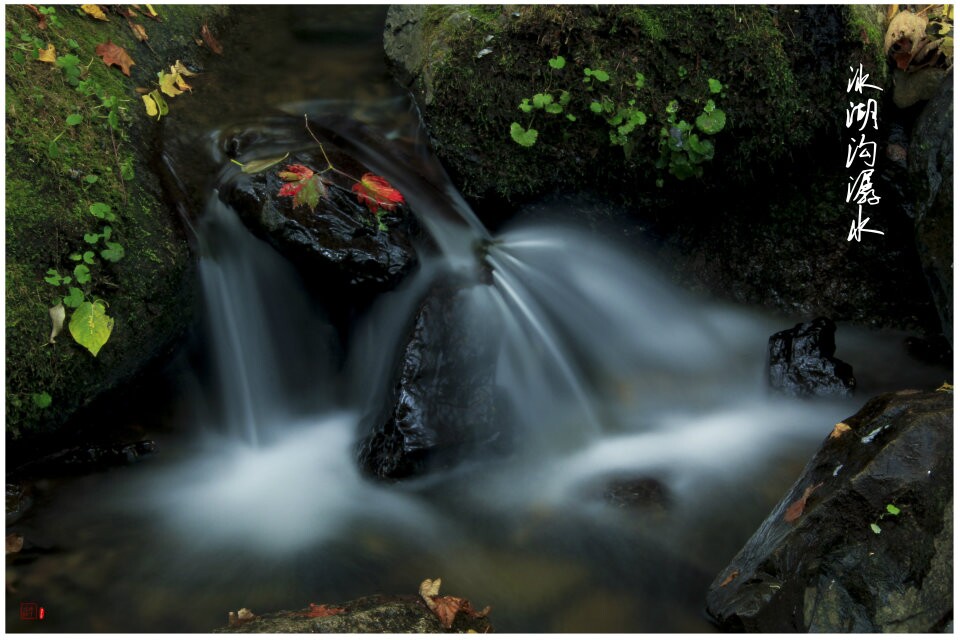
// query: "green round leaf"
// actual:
[[893, 510], [100, 210], [91, 238], [74, 119], [74, 299], [541, 100], [82, 273], [596, 107], [553, 108], [875, 528], [91, 179], [715, 86], [601, 75], [712, 122], [641, 80], [525, 106], [114, 251], [523, 137], [90, 326], [557, 63]]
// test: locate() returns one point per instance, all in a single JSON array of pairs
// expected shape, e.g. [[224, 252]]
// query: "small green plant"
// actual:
[[891, 510], [41, 400], [51, 16], [682, 149]]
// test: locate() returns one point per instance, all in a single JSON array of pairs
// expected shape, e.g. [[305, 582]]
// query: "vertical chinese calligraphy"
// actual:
[[860, 189]]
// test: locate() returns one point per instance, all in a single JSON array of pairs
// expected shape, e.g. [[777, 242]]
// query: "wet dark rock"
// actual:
[[931, 171], [817, 564], [340, 243], [636, 493], [801, 362], [87, 459], [444, 397], [19, 500], [374, 614]]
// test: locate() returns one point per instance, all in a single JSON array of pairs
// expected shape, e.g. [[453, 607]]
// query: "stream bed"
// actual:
[[614, 379]]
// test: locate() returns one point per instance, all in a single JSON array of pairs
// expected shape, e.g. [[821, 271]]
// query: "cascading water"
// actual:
[[606, 373]]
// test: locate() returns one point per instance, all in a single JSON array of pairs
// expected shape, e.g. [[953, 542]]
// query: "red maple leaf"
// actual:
[[303, 185], [376, 193], [322, 611], [113, 54]]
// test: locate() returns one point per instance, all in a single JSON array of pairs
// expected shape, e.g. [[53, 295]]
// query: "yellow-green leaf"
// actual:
[[256, 166], [150, 105], [90, 326], [47, 55], [94, 11], [168, 84]]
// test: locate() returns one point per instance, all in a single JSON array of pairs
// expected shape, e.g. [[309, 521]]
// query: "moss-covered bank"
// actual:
[[782, 71], [56, 169]]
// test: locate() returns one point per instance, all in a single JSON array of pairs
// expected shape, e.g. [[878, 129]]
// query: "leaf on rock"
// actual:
[[211, 42], [155, 104], [795, 510], [730, 578], [168, 84], [322, 611], [839, 429], [113, 54], [90, 326], [256, 166], [57, 315], [14, 543], [303, 185], [138, 31], [376, 193], [446, 608], [94, 11], [47, 55], [946, 387]]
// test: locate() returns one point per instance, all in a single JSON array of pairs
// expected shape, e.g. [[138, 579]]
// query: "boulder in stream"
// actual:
[[801, 362], [863, 541], [930, 168], [444, 401], [341, 243]]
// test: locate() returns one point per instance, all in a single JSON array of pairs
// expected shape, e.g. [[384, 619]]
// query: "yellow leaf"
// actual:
[[180, 69], [430, 589], [138, 31], [839, 429], [168, 85], [48, 55], [151, 106], [947, 387], [151, 11], [94, 11]]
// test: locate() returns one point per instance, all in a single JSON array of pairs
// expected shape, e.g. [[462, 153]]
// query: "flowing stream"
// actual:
[[609, 373]]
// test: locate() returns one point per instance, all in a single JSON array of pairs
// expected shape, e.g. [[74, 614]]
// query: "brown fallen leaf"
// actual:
[[446, 608], [210, 40], [138, 31], [41, 19], [47, 55], [14, 543], [113, 54], [730, 578], [94, 11], [795, 510], [322, 611], [839, 429]]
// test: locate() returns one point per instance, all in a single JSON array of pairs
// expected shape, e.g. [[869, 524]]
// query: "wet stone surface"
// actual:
[[801, 362], [863, 541]]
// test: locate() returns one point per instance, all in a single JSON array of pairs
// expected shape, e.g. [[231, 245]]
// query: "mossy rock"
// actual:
[[782, 71], [50, 189]]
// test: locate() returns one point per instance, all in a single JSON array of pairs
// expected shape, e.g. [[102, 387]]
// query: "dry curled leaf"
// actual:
[[322, 611], [57, 315], [795, 510], [138, 31], [730, 578], [839, 429], [210, 40], [446, 608], [113, 54], [245, 615], [14, 543], [94, 11], [47, 55]]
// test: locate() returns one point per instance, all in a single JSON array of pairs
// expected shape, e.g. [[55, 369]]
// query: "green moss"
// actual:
[[47, 210], [649, 23], [867, 25]]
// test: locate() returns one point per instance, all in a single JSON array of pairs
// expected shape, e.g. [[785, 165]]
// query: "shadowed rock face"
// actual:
[[801, 362], [444, 398], [863, 542]]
